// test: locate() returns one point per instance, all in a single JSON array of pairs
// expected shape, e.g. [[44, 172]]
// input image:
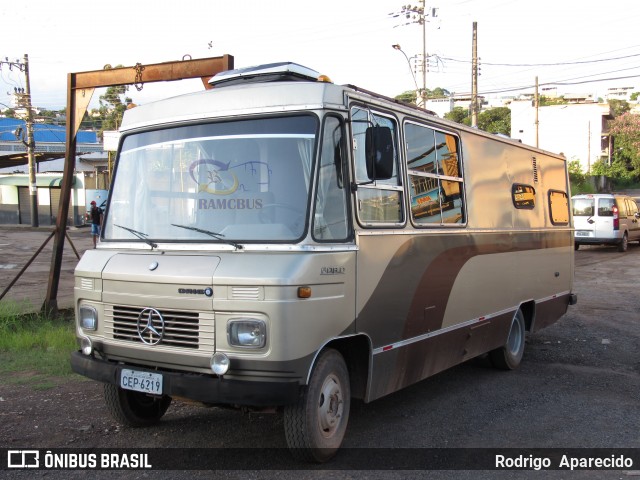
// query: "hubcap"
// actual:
[[330, 406], [515, 337]]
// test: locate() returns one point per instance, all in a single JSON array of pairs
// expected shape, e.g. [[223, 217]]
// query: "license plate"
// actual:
[[582, 234], [145, 382]]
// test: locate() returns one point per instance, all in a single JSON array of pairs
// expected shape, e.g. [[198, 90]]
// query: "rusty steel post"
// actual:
[[80, 88]]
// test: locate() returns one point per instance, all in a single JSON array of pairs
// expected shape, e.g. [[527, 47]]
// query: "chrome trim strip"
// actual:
[[419, 338]]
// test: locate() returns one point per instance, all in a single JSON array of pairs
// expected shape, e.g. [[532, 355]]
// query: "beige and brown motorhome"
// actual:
[[283, 241]]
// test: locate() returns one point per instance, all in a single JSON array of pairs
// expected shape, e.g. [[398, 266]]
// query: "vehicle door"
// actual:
[[632, 219], [604, 218], [584, 217]]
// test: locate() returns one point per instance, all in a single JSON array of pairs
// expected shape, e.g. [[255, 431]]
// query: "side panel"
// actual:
[[440, 299], [431, 298]]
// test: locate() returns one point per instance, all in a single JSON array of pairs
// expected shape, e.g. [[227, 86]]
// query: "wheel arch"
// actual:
[[529, 311], [356, 351]]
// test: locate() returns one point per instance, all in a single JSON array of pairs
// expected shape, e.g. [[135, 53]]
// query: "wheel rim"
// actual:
[[515, 337], [330, 406]]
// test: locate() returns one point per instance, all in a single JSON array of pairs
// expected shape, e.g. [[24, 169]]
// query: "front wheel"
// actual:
[[135, 409], [315, 425], [509, 356]]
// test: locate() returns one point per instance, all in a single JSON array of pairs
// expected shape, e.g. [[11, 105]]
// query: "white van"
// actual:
[[605, 219]]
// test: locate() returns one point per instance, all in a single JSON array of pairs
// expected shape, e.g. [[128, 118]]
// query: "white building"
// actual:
[[441, 106], [579, 131]]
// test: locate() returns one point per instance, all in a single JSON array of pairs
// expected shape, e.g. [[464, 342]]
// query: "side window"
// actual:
[[378, 202], [605, 207], [523, 196], [330, 220], [558, 207], [435, 176]]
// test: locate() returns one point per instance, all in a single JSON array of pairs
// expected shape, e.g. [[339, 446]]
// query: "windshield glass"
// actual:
[[225, 182]]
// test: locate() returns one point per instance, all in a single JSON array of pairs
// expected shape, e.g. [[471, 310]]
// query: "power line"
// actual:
[[563, 83], [581, 62]]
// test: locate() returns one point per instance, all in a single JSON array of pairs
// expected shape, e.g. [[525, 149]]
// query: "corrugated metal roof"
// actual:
[[42, 132]]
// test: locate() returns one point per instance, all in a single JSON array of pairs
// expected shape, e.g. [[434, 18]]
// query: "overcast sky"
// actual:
[[348, 40]]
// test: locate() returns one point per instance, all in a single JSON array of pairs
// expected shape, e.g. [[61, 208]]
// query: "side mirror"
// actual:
[[379, 151]]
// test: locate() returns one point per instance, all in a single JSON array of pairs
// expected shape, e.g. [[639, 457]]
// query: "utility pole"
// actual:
[[31, 146], [474, 75], [424, 54], [419, 14], [536, 104]]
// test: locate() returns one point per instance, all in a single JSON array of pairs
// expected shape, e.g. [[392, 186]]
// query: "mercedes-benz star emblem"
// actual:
[[150, 326]]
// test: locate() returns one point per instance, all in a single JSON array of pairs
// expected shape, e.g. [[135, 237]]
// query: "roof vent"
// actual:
[[272, 72]]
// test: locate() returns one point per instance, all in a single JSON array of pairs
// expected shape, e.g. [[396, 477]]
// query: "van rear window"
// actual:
[[583, 207], [605, 207]]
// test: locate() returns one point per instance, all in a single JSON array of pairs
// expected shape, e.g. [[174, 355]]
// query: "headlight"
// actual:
[[247, 332], [88, 318]]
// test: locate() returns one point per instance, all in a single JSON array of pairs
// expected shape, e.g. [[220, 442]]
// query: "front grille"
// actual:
[[181, 329]]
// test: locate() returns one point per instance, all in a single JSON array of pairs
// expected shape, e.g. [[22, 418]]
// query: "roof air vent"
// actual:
[[272, 72]]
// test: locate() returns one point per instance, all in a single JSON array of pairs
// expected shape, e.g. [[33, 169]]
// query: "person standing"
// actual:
[[95, 215]]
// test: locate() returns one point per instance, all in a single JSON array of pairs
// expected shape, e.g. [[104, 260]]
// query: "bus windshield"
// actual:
[[225, 182]]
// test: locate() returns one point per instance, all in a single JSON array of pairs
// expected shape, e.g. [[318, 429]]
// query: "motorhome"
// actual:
[[283, 241]]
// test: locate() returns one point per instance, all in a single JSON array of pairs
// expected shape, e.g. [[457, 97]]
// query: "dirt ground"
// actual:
[[578, 387]]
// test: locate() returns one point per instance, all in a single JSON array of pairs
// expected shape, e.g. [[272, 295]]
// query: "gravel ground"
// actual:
[[578, 387]]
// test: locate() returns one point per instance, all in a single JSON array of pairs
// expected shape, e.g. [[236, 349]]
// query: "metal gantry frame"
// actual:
[[80, 89]]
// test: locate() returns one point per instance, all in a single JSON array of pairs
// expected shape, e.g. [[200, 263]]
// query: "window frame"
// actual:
[[523, 206], [438, 177], [377, 185], [569, 207], [345, 181]]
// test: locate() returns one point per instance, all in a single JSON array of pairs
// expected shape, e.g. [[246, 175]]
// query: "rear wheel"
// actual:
[[509, 356], [316, 424], [135, 409], [624, 243]]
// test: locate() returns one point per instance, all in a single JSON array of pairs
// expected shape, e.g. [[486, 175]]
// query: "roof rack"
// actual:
[[272, 72]]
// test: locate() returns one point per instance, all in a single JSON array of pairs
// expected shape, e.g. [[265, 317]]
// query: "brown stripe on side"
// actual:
[[411, 297], [549, 311], [430, 356]]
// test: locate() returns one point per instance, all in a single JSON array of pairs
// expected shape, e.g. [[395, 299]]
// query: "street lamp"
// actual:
[[415, 82]]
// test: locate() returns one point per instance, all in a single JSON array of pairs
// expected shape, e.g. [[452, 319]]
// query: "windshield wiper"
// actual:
[[142, 236], [217, 236]]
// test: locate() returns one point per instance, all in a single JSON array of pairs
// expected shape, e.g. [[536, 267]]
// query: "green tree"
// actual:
[[625, 130], [407, 97], [619, 107], [112, 107], [410, 96], [459, 115], [496, 120]]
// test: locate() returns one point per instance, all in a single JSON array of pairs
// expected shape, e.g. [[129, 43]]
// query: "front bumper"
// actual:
[[199, 387]]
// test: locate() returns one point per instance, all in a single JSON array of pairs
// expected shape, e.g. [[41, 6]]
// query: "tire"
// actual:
[[135, 409], [509, 356], [576, 246], [315, 425], [624, 243]]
